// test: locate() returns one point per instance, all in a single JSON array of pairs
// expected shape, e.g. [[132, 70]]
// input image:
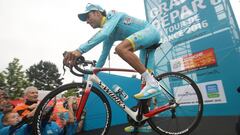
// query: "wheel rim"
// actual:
[[95, 121], [183, 118]]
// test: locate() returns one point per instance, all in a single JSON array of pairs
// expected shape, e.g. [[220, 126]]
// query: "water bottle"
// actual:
[[120, 92]]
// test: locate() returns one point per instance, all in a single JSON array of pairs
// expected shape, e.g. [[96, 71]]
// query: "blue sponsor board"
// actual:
[[182, 20], [190, 27]]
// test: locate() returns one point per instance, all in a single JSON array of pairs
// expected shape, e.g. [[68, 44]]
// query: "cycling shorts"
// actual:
[[144, 38]]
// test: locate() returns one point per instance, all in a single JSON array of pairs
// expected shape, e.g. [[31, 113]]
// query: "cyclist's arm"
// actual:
[[107, 45], [104, 33]]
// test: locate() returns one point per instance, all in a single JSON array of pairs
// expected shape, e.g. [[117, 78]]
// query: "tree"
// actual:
[[2, 81], [44, 75], [16, 79]]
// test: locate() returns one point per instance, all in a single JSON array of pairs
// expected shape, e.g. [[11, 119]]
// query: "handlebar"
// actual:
[[79, 63]]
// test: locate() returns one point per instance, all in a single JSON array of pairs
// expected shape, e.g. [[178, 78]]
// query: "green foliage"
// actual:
[[2, 80], [15, 79], [44, 75], [72, 92]]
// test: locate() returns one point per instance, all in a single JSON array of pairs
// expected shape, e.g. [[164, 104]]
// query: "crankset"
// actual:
[[142, 108]]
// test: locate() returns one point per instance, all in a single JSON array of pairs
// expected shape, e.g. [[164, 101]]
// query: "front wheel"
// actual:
[[185, 116], [96, 118]]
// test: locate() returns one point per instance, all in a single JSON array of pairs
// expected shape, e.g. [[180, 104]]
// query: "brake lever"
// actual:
[[64, 69]]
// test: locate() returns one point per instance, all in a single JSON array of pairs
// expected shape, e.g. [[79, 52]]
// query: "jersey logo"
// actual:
[[127, 20], [111, 13]]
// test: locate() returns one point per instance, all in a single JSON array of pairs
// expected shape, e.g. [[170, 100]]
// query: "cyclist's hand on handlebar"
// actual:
[[70, 57]]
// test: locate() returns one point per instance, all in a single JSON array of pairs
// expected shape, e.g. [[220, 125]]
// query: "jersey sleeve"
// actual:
[[96, 39], [112, 21], [107, 45]]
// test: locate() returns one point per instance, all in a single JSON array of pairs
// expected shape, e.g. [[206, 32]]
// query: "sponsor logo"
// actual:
[[127, 20], [112, 95], [212, 91]]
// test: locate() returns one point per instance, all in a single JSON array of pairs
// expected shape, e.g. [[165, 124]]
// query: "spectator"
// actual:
[[49, 127], [5, 105], [10, 120], [72, 125], [3, 98], [13, 124], [31, 98]]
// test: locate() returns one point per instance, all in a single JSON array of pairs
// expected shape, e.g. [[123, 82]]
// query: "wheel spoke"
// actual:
[[185, 116]]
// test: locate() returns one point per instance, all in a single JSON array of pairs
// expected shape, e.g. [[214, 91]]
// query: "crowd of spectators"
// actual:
[[18, 119]]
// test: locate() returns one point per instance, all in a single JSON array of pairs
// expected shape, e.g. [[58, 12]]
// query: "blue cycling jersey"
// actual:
[[118, 26]]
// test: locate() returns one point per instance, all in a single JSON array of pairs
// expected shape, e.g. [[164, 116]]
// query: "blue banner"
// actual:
[[182, 20], [201, 39]]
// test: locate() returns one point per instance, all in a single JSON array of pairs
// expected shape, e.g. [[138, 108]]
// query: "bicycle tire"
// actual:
[[186, 117], [97, 122]]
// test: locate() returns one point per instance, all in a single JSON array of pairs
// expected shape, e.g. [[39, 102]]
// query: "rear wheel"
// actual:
[[96, 119], [186, 115]]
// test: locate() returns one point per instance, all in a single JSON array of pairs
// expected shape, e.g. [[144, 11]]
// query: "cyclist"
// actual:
[[134, 34]]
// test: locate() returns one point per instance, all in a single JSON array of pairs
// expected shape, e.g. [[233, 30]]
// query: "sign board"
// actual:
[[201, 39], [182, 20]]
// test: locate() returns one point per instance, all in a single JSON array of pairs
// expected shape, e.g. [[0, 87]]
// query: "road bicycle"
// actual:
[[178, 110]]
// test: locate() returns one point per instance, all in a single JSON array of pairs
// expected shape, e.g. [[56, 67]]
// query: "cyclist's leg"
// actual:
[[150, 60], [126, 51], [141, 40], [147, 58], [146, 127], [133, 44], [151, 89], [150, 66]]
